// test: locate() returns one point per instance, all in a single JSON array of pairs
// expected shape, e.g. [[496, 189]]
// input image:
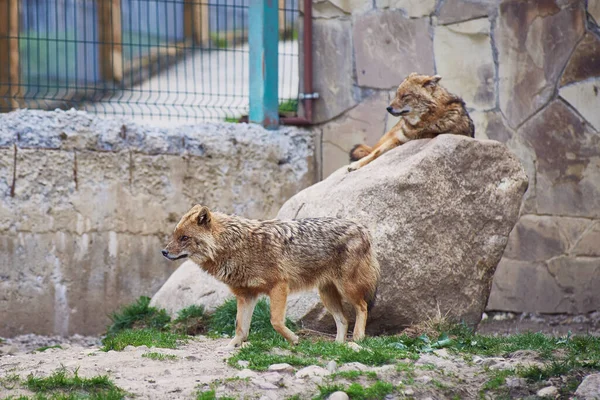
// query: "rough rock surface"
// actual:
[[463, 57], [398, 45], [535, 39], [190, 285], [440, 212], [86, 205], [589, 389]]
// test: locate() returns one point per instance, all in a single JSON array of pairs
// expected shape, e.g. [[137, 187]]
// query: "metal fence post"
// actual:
[[263, 40], [9, 54]]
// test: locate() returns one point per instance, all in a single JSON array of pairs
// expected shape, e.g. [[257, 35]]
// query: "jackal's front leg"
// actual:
[[245, 309], [385, 146]]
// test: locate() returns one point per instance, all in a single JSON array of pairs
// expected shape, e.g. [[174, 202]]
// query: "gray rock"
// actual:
[[515, 383], [312, 370], [332, 366], [190, 285], [246, 373], [548, 392], [589, 389], [353, 366], [281, 368], [403, 197], [338, 396]]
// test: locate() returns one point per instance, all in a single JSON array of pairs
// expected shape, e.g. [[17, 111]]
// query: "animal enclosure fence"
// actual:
[[184, 60]]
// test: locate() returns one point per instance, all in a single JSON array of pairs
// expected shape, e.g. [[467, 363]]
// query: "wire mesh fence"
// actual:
[[170, 60]]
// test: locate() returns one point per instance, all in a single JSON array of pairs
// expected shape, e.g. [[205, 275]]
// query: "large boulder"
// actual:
[[440, 212], [190, 285]]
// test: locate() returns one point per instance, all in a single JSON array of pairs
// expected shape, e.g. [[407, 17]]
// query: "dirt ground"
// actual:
[[201, 364]]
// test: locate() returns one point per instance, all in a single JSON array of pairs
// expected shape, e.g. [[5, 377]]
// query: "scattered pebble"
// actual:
[[246, 373], [243, 363], [339, 395], [280, 367], [546, 392], [353, 366], [312, 370], [332, 366]]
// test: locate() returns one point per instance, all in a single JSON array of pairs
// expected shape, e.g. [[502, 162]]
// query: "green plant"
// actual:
[[139, 337], [138, 315], [62, 385]]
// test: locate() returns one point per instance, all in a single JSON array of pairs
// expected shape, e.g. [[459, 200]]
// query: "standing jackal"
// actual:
[[427, 110], [278, 257]]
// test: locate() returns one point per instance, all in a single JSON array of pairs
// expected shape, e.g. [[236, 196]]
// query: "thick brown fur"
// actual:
[[426, 109], [277, 257]]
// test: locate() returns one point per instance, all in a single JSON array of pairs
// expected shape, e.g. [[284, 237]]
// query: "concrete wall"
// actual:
[[86, 205], [529, 72]]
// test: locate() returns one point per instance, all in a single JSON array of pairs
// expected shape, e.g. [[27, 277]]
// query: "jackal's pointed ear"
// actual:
[[432, 80], [203, 216]]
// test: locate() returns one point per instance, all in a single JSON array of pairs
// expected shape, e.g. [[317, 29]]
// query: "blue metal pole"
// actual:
[[263, 40]]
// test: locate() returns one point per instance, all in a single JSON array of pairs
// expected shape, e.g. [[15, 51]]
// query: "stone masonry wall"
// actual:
[[529, 72], [86, 205]]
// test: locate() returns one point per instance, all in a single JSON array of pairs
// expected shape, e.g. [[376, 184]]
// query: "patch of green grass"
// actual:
[[350, 375], [498, 379], [139, 337], [159, 356], [138, 315], [536, 373], [258, 354], [233, 120], [211, 395], [288, 106], [44, 348], [62, 385]]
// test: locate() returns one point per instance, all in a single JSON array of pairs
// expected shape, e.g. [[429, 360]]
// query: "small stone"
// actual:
[[339, 395], [441, 353], [549, 391], [264, 384], [243, 363], [332, 366], [272, 377], [408, 392], [142, 347], [515, 383], [280, 367], [484, 317], [477, 360], [194, 358], [312, 370], [246, 373], [424, 379], [65, 346], [353, 366], [129, 348]]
